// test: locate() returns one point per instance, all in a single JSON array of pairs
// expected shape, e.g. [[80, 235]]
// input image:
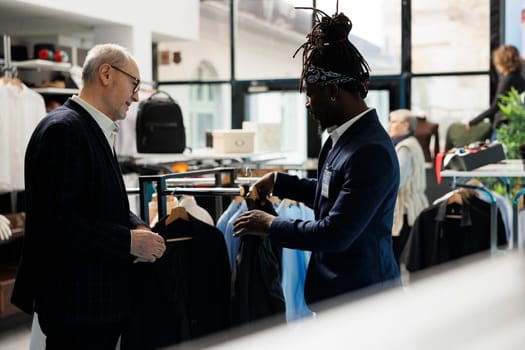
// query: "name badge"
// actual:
[[325, 184]]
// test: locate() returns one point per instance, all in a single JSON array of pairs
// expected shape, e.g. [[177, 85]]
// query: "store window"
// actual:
[[376, 31], [286, 108], [267, 35], [178, 60], [450, 99], [450, 36], [204, 107]]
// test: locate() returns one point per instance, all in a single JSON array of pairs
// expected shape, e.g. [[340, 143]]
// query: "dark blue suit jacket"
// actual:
[[351, 236], [76, 256]]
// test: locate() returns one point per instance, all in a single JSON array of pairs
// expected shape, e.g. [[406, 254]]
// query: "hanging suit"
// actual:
[[185, 294]]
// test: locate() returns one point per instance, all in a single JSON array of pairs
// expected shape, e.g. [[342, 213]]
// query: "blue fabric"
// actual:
[[294, 265], [226, 215], [232, 243]]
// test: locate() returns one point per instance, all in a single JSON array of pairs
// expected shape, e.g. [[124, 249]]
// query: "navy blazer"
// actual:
[[76, 256], [351, 235]]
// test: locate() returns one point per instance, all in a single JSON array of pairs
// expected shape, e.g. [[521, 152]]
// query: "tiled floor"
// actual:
[[15, 332]]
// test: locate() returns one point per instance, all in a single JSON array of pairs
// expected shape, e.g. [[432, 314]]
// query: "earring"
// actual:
[[332, 99]]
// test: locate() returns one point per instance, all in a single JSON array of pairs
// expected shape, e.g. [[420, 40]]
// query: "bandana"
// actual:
[[319, 76]]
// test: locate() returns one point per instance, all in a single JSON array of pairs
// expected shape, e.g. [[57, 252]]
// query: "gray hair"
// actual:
[[406, 115], [112, 54]]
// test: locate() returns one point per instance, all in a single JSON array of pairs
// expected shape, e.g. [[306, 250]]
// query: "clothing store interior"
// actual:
[[227, 100]]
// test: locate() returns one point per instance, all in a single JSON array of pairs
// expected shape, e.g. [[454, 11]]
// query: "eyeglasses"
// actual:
[[137, 81]]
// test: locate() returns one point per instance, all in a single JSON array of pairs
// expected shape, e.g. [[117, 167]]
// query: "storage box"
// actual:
[[233, 141], [267, 135], [469, 161]]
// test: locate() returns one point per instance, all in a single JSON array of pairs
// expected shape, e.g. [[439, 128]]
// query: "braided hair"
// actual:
[[328, 48]]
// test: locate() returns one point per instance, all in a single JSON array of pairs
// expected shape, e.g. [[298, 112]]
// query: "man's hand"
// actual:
[[253, 222], [146, 245], [264, 186]]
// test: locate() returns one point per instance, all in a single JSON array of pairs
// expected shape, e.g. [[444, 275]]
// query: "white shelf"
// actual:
[[42, 65], [58, 91]]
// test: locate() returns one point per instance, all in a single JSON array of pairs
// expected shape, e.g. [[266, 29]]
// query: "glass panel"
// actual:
[[376, 31], [184, 60], [204, 107], [451, 35], [268, 34], [380, 100], [288, 109], [451, 99], [515, 24]]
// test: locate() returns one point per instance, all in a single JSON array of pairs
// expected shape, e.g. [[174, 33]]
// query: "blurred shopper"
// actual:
[[508, 64], [411, 198]]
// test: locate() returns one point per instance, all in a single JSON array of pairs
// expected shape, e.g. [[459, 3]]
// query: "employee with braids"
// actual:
[[355, 191]]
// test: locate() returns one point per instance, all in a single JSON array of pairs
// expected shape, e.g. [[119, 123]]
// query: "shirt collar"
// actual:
[[336, 132], [109, 127]]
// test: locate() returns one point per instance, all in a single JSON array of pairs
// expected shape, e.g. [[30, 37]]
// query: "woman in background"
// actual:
[[508, 64]]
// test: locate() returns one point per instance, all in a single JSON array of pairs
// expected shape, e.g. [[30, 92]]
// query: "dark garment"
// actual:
[[76, 256], [506, 82], [60, 336], [424, 132], [438, 237], [351, 236], [400, 241], [184, 294], [256, 280]]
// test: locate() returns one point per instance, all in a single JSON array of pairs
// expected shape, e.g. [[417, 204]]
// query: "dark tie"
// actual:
[[327, 146]]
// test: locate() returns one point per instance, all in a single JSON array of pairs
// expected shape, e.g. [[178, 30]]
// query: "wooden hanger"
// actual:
[[456, 198], [290, 202], [177, 213], [238, 199], [253, 193], [274, 200]]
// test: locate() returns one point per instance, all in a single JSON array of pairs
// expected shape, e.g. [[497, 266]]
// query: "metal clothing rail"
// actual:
[[515, 216], [503, 170], [224, 177]]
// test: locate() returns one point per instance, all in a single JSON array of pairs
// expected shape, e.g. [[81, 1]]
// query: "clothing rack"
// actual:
[[160, 183], [493, 216], [515, 215]]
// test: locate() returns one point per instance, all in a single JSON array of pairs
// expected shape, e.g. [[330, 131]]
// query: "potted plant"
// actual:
[[512, 134]]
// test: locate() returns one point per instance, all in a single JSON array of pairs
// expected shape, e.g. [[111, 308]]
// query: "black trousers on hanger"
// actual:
[[400, 241]]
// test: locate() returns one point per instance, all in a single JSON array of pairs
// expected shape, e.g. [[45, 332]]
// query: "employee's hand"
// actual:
[[264, 185], [5, 228], [253, 222], [146, 245]]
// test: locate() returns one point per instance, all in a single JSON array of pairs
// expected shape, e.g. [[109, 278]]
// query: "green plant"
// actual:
[[512, 134]]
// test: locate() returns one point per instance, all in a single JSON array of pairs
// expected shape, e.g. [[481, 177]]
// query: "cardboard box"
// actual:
[[233, 141], [469, 161]]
